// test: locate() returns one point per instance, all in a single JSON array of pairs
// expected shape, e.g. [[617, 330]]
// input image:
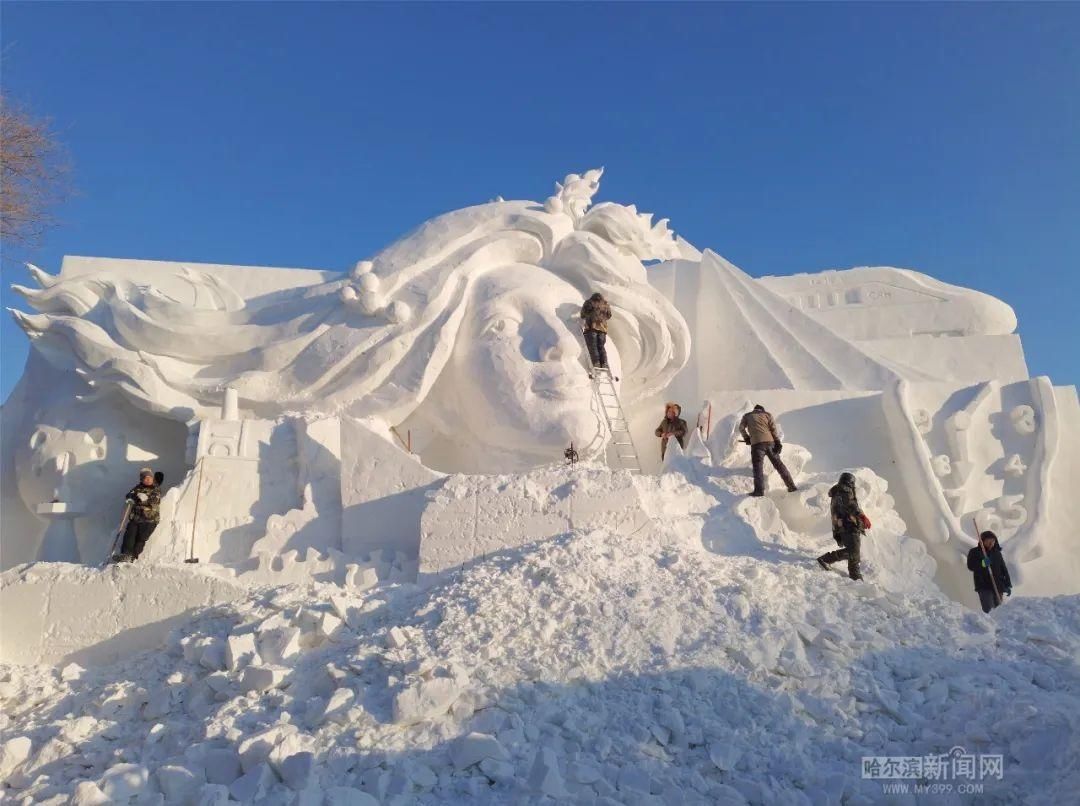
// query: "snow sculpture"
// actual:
[[464, 332], [316, 411], [922, 381]]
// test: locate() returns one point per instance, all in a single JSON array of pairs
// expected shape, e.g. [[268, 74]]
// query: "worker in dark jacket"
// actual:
[[671, 426], [849, 523], [987, 563], [595, 314], [144, 501], [758, 430]]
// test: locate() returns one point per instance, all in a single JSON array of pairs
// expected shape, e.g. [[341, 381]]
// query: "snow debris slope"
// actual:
[[593, 668]]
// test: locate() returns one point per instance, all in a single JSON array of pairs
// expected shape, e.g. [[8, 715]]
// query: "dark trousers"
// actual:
[[135, 536], [758, 453], [988, 600], [852, 543], [596, 343]]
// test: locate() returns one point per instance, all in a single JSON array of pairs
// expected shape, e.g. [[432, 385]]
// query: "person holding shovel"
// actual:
[[987, 564], [673, 425]]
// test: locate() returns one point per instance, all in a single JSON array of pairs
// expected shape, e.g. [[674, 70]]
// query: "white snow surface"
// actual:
[[703, 658]]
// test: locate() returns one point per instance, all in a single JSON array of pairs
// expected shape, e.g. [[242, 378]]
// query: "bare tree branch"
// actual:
[[33, 175]]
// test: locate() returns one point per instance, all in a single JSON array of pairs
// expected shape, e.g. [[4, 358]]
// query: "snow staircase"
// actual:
[[621, 453]]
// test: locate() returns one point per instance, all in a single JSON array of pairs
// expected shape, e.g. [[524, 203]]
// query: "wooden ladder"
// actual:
[[621, 452]]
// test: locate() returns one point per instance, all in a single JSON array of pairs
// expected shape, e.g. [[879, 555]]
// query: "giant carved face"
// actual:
[[517, 380]]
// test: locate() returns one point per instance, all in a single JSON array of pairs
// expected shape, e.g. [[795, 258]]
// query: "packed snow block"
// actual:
[[297, 770], [221, 765], [213, 795], [13, 752], [348, 796], [178, 784], [124, 781], [262, 678], [254, 786], [383, 492], [92, 617], [278, 644], [87, 793], [425, 699], [240, 650], [336, 708], [544, 775], [473, 748], [608, 503], [256, 748], [472, 517], [360, 578]]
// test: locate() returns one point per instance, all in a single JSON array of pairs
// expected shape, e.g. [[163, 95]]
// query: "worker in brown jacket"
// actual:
[[673, 425], [758, 430], [595, 314]]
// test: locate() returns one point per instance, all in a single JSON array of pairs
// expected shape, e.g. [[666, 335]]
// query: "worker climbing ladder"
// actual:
[[621, 451]]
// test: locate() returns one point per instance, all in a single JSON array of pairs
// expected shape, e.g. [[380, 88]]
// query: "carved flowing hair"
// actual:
[[371, 343]]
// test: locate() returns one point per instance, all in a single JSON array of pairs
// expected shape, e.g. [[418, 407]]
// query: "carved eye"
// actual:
[[500, 327]]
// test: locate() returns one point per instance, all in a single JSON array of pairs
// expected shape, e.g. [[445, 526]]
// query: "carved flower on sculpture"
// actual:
[[631, 231], [574, 194]]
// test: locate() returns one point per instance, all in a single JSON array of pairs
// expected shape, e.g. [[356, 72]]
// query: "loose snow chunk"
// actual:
[[426, 699], [337, 708], [256, 748], [124, 781], [723, 756], [178, 784], [278, 644], [253, 786], [633, 779], [87, 793], [544, 776], [158, 704], [474, 748], [348, 796], [297, 769], [397, 638], [329, 626], [213, 795], [498, 771], [72, 671], [213, 656], [240, 650], [262, 678], [421, 775], [13, 752], [361, 578], [582, 772], [290, 745], [345, 610], [222, 765]]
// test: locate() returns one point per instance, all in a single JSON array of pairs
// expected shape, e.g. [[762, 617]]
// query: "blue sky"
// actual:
[[944, 138]]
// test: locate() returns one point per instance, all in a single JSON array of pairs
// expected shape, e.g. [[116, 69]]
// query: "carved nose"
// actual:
[[552, 351]]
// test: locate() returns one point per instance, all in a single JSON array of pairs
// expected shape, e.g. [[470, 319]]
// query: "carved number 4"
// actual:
[[1015, 466]]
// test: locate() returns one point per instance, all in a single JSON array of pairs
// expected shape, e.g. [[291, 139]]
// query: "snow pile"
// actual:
[[595, 667]]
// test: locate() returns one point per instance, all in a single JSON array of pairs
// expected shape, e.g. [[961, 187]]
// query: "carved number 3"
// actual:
[[1023, 419]]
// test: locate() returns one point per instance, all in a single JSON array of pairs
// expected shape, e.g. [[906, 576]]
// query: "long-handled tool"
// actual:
[[195, 517], [118, 536]]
